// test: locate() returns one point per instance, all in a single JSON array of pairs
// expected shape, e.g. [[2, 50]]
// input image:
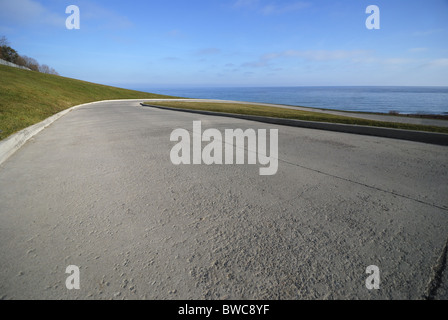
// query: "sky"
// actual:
[[197, 43]]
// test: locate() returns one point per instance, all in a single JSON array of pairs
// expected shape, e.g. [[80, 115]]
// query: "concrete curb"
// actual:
[[18, 139], [410, 135]]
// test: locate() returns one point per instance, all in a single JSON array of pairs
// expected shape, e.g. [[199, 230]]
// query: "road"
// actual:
[[97, 189]]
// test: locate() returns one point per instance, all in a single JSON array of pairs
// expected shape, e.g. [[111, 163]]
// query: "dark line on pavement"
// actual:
[[352, 181], [436, 280], [366, 185]]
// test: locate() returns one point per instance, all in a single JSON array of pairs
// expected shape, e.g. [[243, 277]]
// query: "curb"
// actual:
[[410, 135], [18, 139]]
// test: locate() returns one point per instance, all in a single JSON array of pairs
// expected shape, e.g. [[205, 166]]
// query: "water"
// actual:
[[406, 100]]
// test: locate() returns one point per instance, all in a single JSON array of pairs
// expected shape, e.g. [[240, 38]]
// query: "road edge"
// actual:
[[409, 135], [14, 142]]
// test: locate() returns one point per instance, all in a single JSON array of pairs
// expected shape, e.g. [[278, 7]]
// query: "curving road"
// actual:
[[97, 189]]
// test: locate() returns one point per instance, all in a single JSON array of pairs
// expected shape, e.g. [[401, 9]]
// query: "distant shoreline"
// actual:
[[422, 102], [441, 116]]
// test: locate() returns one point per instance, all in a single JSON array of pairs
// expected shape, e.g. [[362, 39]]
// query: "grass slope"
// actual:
[[260, 110], [28, 97]]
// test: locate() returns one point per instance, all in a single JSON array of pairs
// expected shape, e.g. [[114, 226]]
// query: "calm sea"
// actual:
[[431, 100]]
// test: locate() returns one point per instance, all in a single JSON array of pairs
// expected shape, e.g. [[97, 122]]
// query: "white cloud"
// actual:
[[324, 58], [29, 12], [425, 33], [208, 51], [312, 55], [397, 61], [34, 13], [280, 9], [438, 63], [245, 3], [176, 34], [103, 17], [418, 49], [256, 64], [326, 55], [351, 56]]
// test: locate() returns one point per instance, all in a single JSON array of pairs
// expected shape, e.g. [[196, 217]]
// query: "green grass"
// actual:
[[28, 97], [259, 110]]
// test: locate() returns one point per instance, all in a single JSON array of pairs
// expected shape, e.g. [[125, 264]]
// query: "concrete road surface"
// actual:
[[97, 190]]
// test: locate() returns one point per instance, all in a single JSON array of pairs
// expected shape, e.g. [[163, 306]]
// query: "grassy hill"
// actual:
[[28, 97]]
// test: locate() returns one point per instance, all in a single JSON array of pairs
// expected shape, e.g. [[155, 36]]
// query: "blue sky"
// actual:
[[144, 44]]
